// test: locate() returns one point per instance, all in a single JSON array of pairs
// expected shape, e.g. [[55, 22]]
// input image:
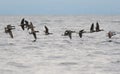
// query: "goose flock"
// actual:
[[24, 24]]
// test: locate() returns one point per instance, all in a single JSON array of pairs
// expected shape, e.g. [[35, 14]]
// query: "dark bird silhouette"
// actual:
[[33, 31], [30, 26], [110, 34], [80, 33], [10, 33], [22, 24], [66, 32], [8, 29], [98, 28], [22, 21], [34, 34], [69, 33], [47, 31], [92, 28], [26, 24]]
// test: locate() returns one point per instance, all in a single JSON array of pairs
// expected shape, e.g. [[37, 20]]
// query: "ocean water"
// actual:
[[57, 54]]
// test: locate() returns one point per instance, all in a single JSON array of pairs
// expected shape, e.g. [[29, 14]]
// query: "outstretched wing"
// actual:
[[97, 27], [22, 21], [34, 34], [92, 28], [22, 26], [26, 22], [80, 33], [10, 33], [70, 35], [46, 30]]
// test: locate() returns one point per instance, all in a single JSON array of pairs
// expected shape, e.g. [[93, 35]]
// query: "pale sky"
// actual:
[[59, 7]]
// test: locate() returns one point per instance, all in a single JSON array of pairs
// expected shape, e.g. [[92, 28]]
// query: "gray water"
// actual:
[[56, 54]]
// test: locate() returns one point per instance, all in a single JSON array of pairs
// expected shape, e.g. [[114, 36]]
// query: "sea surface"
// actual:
[[94, 53]]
